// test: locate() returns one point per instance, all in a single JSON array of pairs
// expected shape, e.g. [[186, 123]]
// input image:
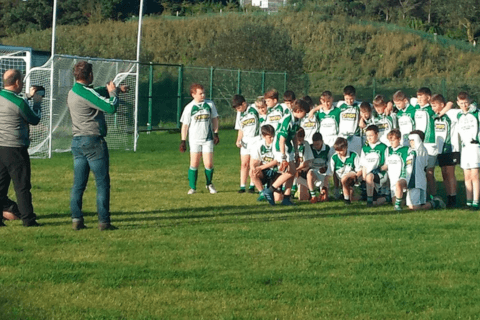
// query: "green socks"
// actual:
[[192, 178], [209, 175]]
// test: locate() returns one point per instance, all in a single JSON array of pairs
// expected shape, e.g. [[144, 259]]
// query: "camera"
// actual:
[[39, 90]]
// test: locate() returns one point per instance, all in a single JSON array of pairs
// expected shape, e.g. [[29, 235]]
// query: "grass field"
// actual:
[[225, 256]]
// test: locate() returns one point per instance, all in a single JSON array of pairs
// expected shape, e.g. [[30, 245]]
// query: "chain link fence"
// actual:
[[164, 91]]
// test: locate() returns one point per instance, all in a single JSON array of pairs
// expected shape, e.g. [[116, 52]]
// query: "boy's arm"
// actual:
[[269, 165], [239, 139], [447, 107], [183, 134], [389, 108], [216, 139], [312, 112], [304, 165]]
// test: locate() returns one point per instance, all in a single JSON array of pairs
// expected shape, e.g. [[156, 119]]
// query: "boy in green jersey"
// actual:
[[349, 118], [263, 166], [275, 111], [424, 121], [262, 110], [328, 118], [405, 115], [346, 166], [248, 126], [288, 99], [395, 165], [469, 134], [303, 164], [384, 122], [373, 158], [200, 123], [310, 125], [447, 145], [286, 151], [317, 175]]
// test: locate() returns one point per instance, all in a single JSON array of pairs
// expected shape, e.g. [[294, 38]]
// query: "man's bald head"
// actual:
[[12, 80], [11, 76]]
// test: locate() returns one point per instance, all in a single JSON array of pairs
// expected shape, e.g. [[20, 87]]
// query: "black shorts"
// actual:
[[448, 159], [303, 174], [269, 176]]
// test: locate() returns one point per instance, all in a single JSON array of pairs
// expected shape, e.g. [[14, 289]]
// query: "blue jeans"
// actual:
[[90, 153]]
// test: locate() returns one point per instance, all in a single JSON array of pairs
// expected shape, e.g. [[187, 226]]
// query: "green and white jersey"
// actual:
[[396, 161], [445, 132], [328, 123], [351, 163], [274, 115], [248, 122], [305, 151], [320, 157], [310, 126], [262, 118], [406, 122], [287, 128], [349, 117], [424, 121], [198, 117], [385, 124], [286, 109], [468, 125], [373, 156], [263, 152]]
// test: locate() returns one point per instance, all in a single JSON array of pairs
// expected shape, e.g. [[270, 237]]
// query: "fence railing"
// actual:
[[164, 90]]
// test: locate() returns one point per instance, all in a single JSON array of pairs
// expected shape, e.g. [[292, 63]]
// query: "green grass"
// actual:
[[226, 256]]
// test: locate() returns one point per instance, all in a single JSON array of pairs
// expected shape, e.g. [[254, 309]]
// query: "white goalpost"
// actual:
[[54, 132]]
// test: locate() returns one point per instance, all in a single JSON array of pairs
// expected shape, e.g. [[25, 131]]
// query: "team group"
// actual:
[[388, 149]]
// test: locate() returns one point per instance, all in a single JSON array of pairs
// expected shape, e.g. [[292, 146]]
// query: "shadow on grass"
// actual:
[[242, 214]]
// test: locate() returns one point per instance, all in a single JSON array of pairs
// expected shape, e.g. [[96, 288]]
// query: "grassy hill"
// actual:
[[333, 52]]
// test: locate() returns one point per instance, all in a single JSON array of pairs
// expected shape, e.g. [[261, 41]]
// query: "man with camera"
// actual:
[[87, 107], [16, 115]]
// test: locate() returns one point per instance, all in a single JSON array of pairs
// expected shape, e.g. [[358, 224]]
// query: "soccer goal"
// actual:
[[54, 132], [11, 58]]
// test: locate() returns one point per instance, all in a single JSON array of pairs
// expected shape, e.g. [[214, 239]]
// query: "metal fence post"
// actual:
[[179, 94], [211, 83], [263, 82], [150, 97], [285, 82], [374, 87], [239, 81]]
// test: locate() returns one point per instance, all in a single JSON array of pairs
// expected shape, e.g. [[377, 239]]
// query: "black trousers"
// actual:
[[15, 166]]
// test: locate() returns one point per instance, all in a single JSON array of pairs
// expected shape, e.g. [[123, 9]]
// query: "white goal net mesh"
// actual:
[[54, 132]]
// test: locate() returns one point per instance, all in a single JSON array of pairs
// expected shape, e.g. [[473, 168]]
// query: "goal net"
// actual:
[[14, 59], [54, 132]]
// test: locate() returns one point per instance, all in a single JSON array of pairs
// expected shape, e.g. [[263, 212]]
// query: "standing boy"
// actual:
[[405, 115], [469, 134], [385, 123], [446, 137], [248, 126], [200, 123], [424, 122], [349, 118], [275, 111]]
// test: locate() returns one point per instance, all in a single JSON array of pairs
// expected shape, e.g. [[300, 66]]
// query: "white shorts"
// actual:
[[330, 141], [318, 178], [355, 144], [248, 146], [393, 186], [416, 197], [470, 158], [201, 147]]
